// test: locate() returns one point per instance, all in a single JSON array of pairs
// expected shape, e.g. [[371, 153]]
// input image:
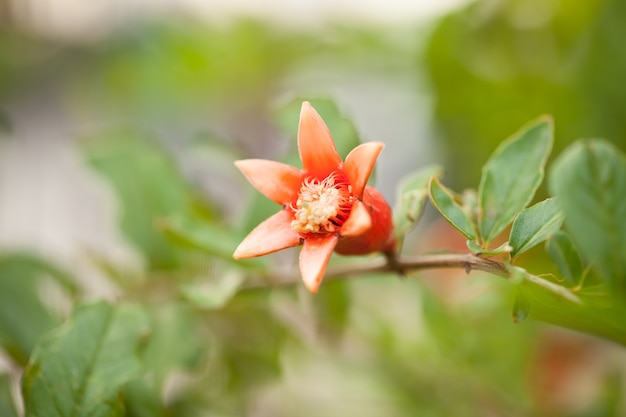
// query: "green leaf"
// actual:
[[149, 187], [589, 316], [7, 406], [589, 179], [411, 199], [535, 224], [444, 201], [78, 369], [215, 239], [511, 176], [469, 198], [24, 317], [563, 253], [521, 306]]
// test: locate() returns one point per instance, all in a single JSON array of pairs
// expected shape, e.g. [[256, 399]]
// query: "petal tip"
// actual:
[[307, 108], [272, 235], [240, 164], [277, 181], [312, 287], [313, 279], [243, 251], [314, 259], [315, 143], [360, 163]]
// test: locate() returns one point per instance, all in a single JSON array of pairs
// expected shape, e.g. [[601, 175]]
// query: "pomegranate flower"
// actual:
[[326, 206]]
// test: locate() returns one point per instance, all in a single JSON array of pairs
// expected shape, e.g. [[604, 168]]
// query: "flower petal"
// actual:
[[278, 182], [270, 236], [317, 149], [314, 258], [360, 163], [379, 237], [358, 222]]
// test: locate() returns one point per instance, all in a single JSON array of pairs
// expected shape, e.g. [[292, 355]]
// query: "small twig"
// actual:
[[406, 264]]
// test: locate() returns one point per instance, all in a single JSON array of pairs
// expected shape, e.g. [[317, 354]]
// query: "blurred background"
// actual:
[[119, 122]]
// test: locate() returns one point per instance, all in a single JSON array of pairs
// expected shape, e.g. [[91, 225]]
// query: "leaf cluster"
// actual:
[[589, 255]]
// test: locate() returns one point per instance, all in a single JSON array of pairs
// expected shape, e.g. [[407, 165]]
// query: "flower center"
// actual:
[[322, 206]]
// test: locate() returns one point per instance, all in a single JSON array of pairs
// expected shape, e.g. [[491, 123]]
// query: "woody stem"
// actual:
[[407, 264]]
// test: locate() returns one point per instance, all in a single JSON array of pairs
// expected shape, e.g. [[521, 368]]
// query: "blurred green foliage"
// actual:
[[187, 67], [149, 188], [498, 64], [214, 338]]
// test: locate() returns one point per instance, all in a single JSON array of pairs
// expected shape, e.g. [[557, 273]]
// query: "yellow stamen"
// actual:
[[322, 206]]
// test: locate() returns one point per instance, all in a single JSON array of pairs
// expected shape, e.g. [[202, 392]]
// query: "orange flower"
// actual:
[[326, 206]]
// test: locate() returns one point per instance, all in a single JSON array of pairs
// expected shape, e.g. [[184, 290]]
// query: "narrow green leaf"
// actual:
[[7, 406], [213, 294], [535, 224], [207, 236], [521, 306], [589, 316], [444, 201], [511, 176], [78, 369], [411, 199], [202, 234], [589, 179], [563, 253]]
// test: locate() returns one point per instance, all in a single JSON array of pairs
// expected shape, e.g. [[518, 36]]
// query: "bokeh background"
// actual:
[[119, 122]]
